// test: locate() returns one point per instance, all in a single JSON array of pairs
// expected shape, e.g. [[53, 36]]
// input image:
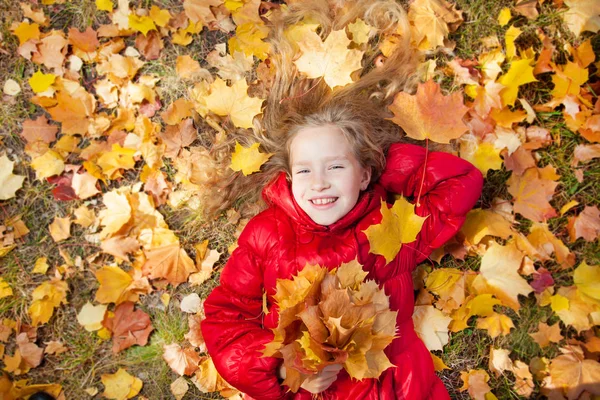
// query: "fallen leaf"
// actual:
[[45, 298], [499, 274], [179, 388], [582, 15], [573, 374], [128, 327], [500, 361], [532, 191], [248, 159], [475, 381], [170, 262], [182, 361], [9, 183], [91, 316], [587, 279], [330, 59], [233, 101], [431, 326], [121, 385], [429, 114], [547, 334], [496, 324], [60, 228], [520, 73]]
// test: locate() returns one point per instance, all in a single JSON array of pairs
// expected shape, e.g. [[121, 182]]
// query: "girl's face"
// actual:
[[326, 176]]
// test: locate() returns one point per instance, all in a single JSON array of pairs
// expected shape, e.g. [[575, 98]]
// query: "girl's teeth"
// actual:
[[324, 201]]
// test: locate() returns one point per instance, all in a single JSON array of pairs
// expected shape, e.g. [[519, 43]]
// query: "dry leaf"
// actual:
[[182, 361]]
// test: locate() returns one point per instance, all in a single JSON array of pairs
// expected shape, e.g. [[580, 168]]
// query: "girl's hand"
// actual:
[[319, 382]]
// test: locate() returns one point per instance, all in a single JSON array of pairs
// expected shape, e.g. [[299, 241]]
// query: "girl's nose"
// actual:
[[319, 182]]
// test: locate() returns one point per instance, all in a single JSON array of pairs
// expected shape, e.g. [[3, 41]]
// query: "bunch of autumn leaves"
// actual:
[[331, 317]]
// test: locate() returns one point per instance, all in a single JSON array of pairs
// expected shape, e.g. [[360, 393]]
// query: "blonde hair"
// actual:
[[359, 109]]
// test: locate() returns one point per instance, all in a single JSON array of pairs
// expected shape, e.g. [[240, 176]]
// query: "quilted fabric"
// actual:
[[278, 242]]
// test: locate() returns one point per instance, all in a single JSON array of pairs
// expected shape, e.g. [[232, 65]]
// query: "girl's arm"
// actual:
[[233, 326], [449, 187]]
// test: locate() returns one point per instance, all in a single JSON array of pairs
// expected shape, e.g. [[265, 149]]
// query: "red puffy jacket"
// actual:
[[281, 240]]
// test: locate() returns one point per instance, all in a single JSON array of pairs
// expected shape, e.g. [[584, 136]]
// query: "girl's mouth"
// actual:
[[324, 201]]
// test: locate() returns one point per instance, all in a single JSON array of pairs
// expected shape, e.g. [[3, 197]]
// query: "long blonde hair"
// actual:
[[358, 109]]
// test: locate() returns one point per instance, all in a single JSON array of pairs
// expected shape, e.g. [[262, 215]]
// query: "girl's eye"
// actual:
[[337, 167], [302, 171]]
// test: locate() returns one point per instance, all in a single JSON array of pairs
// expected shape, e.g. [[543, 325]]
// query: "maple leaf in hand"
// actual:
[[399, 225]]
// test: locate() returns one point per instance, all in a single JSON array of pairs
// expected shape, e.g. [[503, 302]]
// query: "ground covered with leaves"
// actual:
[[109, 114]]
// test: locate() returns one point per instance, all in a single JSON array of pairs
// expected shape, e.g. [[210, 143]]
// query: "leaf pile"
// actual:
[[331, 317]]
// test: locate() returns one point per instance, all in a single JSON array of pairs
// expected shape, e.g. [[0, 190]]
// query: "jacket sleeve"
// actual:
[[450, 188], [233, 329]]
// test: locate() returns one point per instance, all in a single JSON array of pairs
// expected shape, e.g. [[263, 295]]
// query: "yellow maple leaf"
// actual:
[[360, 31], [569, 80], [113, 161], [5, 289], [429, 114], [511, 34], [573, 374], [60, 228], [438, 363], [91, 316], [248, 39], [26, 31], [248, 159], [499, 274], [587, 279], [159, 16], [120, 385], [520, 73], [484, 156], [116, 214], [41, 266], [575, 308], [399, 225], [330, 59], [183, 37], [233, 101], [46, 297], [40, 82], [9, 183], [104, 5], [504, 16], [481, 223], [141, 24], [48, 164], [496, 324], [114, 283]]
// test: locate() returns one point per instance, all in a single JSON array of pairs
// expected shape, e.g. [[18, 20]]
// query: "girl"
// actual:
[[334, 160]]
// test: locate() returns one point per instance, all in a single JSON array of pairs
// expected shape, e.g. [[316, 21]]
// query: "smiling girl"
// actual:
[[336, 156]]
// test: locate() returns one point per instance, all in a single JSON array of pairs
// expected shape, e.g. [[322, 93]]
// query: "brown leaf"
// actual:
[[128, 327], [182, 361], [149, 45], [178, 136], [532, 191], [85, 41], [120, 246], [585, 225], [585, 152], [55, 347], [573, 374], [39, 129], [170, 262], [30, 352], [547, 334], [194, 335]]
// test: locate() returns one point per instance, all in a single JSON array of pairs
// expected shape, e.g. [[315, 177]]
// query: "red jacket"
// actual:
[[279, 241]]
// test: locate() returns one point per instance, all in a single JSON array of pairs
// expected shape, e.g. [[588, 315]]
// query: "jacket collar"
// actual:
[[279, 193]]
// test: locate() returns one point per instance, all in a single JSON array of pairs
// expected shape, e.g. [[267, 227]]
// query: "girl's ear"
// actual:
[[366, 178]]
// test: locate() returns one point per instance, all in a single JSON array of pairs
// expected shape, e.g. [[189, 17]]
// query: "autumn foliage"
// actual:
[[123, 148]]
